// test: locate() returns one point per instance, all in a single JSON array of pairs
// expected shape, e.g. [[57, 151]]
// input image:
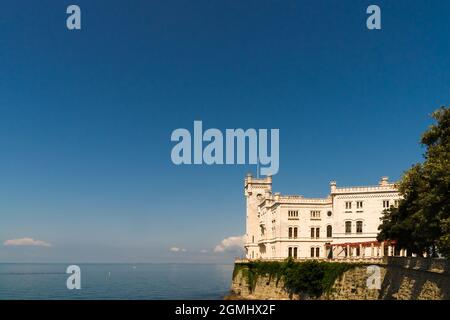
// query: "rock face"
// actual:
[[399, 279], [265, 288]]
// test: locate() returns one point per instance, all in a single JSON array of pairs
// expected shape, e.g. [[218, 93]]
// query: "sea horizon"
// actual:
[[132, 263], [116, 281]]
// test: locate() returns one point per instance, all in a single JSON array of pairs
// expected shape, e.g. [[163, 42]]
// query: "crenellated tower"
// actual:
[[255, 189]]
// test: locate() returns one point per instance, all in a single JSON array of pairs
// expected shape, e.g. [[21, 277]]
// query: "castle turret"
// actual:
[[384, 181], [332, 186], [255, 190]]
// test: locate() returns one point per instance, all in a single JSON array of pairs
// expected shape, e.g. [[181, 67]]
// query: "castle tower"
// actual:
[[255, 190]]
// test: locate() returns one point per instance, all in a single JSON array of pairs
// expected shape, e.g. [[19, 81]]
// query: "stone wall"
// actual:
[[416, 278], [265, 289], [400, 279]]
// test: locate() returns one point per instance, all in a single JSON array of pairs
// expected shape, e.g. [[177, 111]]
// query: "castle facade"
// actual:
[[344, 224]]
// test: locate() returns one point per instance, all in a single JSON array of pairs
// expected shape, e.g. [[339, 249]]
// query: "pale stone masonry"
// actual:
[[344, 224]]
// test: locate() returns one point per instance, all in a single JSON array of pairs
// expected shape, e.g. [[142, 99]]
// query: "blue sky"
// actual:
[[86, 116]]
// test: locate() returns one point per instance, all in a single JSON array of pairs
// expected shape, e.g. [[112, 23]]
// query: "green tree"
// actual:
[[421, 222]]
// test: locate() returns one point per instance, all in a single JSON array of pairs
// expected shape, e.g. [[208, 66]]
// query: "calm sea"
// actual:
[[116, 281]]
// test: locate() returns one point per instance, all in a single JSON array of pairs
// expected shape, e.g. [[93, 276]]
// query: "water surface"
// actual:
[[116, 281]]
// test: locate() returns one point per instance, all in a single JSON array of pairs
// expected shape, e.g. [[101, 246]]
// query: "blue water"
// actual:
[[116, 281]]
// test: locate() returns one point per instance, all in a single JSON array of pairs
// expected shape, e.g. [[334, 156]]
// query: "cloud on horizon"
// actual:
[[26, 242], [176, 249], [231, 244]]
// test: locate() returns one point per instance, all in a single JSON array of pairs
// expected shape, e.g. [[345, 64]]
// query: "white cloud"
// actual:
[[26, 242], [203, 251], [176, 249], [233, 244]]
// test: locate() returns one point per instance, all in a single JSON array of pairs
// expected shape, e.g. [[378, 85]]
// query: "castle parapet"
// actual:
[[383, 186]]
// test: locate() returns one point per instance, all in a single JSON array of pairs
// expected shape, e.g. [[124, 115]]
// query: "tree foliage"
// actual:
[[421, 222]]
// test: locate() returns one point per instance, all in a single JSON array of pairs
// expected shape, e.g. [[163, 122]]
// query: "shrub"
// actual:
[[309, 277]]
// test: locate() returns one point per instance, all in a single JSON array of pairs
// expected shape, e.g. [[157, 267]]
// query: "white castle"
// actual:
[[343, 225]]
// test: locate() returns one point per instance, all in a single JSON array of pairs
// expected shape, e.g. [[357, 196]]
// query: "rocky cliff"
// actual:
[[394, 278]]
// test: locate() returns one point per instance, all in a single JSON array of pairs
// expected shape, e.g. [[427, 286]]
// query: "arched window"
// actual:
[[348, 227], [295, 233], [329, 231], [290, 252], [295, 252], [359, 226], [290, 233], [312, 252]]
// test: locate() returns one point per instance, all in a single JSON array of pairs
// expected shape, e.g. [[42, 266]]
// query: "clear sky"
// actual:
[[86, 116]]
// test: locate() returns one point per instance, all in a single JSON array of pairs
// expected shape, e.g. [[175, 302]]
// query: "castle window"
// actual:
[[315, 252], [396, 203], [359, 204], [315, 233], [295, 233], [386, 204], [329, 213], [290, 252], [293, 213], [348, 205], [348, 227], [359, 226], [290, 233], [315, 214], [295, 253], [329, 231]]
